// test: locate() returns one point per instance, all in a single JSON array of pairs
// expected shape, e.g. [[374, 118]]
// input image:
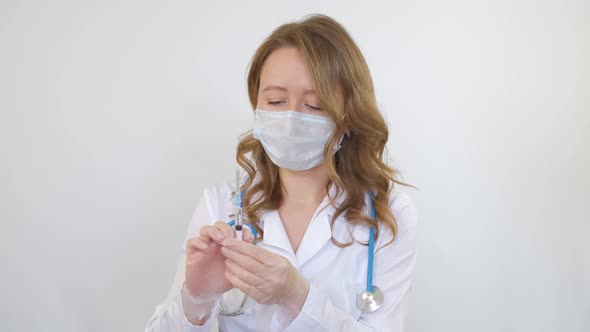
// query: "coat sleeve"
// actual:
[[393, 270], [169, 315]]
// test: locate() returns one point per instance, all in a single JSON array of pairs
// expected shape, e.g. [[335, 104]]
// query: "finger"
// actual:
[[247, 234], [226, 229], [245, 261], [243, 274], [212, 232], [198, 243], [241, 285], [195, 249], [205, 239], [249, 249], [193, 245]]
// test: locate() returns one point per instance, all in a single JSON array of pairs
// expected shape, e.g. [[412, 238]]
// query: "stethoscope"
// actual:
[[367, 300], [371, 298]]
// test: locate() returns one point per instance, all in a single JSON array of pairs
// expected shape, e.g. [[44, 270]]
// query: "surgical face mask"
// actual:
[[293, 140]]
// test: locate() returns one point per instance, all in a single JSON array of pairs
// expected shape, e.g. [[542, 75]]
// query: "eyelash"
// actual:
[[313, 108]]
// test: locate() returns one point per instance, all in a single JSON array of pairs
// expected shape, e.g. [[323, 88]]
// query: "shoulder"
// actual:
[[218, 191], [214, 205], [218, 200], [404, 210]]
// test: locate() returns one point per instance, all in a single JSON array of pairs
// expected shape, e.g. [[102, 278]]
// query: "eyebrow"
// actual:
[[281, 88]]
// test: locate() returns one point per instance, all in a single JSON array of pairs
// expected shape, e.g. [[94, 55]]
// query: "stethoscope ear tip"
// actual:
[[369, 301]]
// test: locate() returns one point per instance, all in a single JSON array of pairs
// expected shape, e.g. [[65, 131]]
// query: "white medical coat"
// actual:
[[336, 274]]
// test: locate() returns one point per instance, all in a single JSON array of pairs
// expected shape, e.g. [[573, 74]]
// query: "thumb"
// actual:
[[247, 234]]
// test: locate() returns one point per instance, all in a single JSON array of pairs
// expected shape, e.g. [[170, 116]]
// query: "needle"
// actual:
[[238, 206]]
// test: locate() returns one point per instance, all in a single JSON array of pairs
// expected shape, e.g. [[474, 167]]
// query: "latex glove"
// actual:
[[205, 277], [266, 277]]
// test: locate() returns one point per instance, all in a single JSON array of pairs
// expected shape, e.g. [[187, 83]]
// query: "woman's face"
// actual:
[[286, 84]]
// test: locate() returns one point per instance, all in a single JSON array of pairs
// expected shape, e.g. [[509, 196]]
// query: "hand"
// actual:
[[205, 265], [266, 277]]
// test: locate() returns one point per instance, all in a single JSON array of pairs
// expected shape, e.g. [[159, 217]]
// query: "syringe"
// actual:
[[238, 215]]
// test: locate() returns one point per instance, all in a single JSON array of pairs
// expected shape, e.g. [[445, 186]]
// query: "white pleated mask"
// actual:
[[293, 140]]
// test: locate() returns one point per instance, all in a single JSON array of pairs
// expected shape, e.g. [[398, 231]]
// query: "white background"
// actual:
[[114, 115]]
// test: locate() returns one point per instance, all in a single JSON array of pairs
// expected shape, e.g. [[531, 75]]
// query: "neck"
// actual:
[[304, 187]]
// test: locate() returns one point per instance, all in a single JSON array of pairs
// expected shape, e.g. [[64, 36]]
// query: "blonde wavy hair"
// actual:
[[334, 60]]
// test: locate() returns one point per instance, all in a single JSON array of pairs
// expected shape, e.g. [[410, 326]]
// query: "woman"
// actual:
[[314, 169]]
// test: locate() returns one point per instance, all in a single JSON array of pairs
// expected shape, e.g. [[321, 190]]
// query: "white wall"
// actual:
[[115, 114]]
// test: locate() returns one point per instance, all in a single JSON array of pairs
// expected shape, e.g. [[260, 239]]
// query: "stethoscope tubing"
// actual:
[[370, 289]]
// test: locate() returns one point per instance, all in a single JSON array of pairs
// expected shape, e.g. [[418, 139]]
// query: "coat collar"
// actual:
[[317, 234]]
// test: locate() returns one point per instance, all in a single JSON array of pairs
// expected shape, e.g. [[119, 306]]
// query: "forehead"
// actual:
[[286, 66]]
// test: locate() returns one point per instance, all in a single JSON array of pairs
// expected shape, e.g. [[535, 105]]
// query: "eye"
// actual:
[[313, 108], [275, 102]]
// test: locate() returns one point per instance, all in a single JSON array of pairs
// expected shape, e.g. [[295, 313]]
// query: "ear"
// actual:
[[347, 132]]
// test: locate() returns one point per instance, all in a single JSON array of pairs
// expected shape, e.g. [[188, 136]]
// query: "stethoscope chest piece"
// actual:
[[369, 301]]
